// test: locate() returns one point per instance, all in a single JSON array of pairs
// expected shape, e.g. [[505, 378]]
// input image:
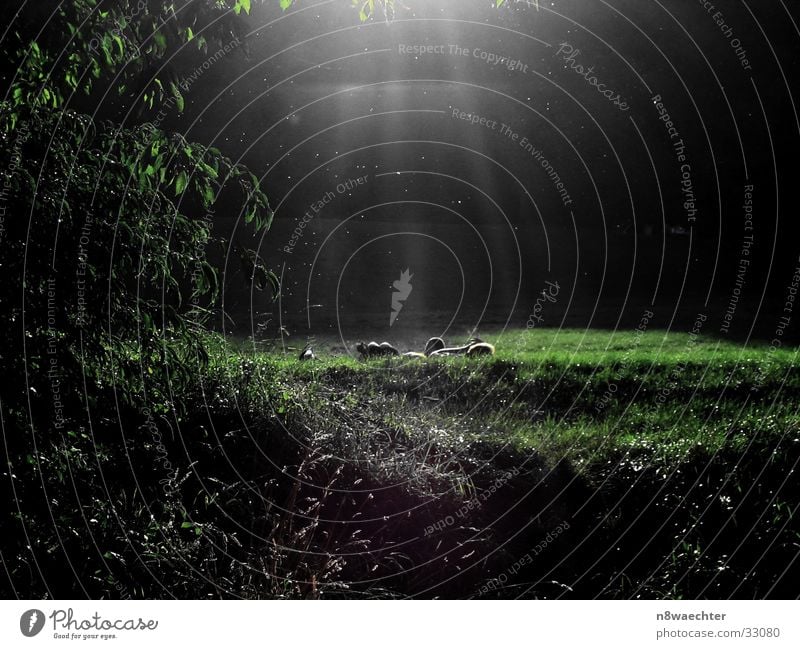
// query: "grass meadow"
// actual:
[[671, 456], [570, 464]]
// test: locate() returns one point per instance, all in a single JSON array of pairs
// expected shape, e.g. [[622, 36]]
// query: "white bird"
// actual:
[[307, 354]]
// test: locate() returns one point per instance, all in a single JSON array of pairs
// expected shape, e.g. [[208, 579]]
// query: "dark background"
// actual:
[[313, 97]]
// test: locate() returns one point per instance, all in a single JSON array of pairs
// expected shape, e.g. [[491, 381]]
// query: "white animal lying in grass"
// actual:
[[373, 349], [434, 347], [475, 347]]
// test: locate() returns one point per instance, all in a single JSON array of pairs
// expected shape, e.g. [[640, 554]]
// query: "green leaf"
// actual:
[[285, 4], [208, 169], [178, 96], [210, 281], [106, 47], [208, 195], [160, 40], [121, 47], [181, 182]]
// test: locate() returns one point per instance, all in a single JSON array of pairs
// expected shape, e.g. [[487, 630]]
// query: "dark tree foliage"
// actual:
[[106, 226], [106, 289]]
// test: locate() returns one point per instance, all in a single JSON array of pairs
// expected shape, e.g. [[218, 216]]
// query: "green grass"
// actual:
[[672, 457], [581, 396], [673, 460]]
